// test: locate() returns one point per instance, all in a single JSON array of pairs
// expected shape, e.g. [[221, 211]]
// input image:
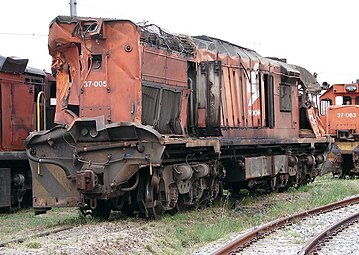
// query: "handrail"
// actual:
[[41, 93], [38, 126]]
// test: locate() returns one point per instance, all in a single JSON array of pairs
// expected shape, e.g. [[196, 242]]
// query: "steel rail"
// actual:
[[41, 234], [312, 245], [240, 243]]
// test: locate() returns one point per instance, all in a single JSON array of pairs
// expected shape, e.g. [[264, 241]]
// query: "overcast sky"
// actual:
[[321, 36]]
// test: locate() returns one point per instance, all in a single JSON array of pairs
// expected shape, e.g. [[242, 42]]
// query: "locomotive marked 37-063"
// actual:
[[339, 108]]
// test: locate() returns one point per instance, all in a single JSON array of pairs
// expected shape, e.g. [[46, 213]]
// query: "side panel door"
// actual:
[[209, 98]]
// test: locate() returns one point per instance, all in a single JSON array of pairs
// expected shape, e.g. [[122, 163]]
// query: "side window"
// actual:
[[347, 100], [161, 108], [52, 85], [96, 62], [357, 100], [324, 103], [338, 100], [285, 98], [269, 100]]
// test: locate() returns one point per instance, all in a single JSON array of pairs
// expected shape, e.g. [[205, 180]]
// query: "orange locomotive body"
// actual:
[[19, 87], [153, 122], [339, 112]]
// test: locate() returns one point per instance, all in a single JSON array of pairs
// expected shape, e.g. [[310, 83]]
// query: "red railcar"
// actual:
[[19, 87], [153, 122], [339, 111]]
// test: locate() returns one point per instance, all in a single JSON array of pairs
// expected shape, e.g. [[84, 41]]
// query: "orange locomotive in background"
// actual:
[[20, 86], [339, 112]]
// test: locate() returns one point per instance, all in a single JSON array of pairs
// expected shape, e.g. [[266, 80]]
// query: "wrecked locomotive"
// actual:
[[19, 89], [339, 110], [153, 122]]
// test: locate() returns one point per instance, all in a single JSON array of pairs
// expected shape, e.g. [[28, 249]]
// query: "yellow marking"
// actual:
[[150, 167], [38, 109], [347, 146], [38, 169]]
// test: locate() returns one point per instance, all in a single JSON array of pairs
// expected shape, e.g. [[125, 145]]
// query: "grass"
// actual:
[[33, 245], [184, 232], [150, 248]]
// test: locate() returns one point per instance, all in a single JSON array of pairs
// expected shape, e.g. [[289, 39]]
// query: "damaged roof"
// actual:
[[309, 81], [18, 65], [12, 64], [216, 45], [156, 36]]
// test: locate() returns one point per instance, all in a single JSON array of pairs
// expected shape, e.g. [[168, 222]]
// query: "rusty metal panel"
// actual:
[[163, 67], [209, 96], [256, 167], [106, 73], [239, 96], [234, 97], [153, 66], [6, 112], [227, 98], [214, 94], [246, 99], [23, 114], [201, 113], [243, 95], [201, 92], [18, 114], [94, 111], [176, 70]]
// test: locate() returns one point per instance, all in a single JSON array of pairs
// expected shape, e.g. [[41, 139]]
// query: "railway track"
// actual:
[[315, 245], [41, 234], [274, 233]]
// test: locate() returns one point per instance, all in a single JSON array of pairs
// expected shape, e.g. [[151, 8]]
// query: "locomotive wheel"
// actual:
[[147, 198], [102, 211]]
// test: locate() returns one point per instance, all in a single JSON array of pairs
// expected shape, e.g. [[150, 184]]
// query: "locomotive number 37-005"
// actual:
[[95, 84]]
